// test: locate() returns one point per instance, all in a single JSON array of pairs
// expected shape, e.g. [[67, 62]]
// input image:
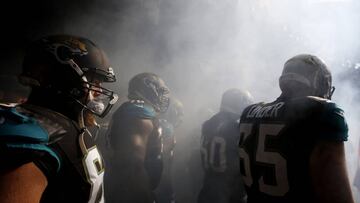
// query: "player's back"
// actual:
[[122, 126], [219, 138], [220, 159], [126, 179], [276, 142]]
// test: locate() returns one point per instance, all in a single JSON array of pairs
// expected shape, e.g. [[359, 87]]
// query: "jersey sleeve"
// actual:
[[23, 140], [332, 123]]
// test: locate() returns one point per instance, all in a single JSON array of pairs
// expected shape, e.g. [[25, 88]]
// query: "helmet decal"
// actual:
[[83, 64], [150, 88]]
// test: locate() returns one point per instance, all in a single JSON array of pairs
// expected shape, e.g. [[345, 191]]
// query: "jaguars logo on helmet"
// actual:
[[150, 88], [72, 66]]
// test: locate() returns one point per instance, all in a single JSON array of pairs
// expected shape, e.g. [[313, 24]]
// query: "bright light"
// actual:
[[327, 1]]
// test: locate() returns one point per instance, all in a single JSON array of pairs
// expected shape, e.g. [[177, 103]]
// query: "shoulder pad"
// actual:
[[137, 108], [55, 124], [16, 126], [319, 99], [326, 104], [312, 103], [331, 119], [19, 131]]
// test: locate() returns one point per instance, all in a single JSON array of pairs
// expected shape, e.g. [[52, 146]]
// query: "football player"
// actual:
[[46, 151], [169, 121], [292, 149], [219, 151], [135, 140]]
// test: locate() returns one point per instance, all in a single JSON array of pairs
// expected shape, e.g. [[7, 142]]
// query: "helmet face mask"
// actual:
[[163, 98], [150, 88], [100, 104], [175, 113], [311, 73], [79, 62]]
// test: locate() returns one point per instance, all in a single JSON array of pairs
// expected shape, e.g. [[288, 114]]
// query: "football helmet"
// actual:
[[309, 71], [71, 66], [175, 113], [150, 88], [235, 100]]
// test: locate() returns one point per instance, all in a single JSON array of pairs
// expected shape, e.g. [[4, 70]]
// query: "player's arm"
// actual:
[[328, 173], [25, 183], [154, 158], [139, 137], [203, 144], [138, 182]]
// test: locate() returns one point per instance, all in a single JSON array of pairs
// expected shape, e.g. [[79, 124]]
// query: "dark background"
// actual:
[[200, 48]]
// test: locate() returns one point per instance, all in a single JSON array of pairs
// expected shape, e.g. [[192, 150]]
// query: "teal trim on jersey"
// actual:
[[331, 122], [334, 120], [139, 110], [18, 126], [39, 147], [23, 132]]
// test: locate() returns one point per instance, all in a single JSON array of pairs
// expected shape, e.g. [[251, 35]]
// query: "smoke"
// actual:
[[202, 48]]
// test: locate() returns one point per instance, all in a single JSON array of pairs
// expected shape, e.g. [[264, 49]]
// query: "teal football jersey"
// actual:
[[276, 141], [66, 154], [220, 160], [121, 182]]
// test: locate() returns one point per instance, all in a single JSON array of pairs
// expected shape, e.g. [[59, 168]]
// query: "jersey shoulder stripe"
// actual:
[[17, 127], [137, 109]]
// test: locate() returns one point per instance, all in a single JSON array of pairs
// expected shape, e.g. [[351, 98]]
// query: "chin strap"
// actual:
[[98, 127], [81, 121], [84, 128]]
